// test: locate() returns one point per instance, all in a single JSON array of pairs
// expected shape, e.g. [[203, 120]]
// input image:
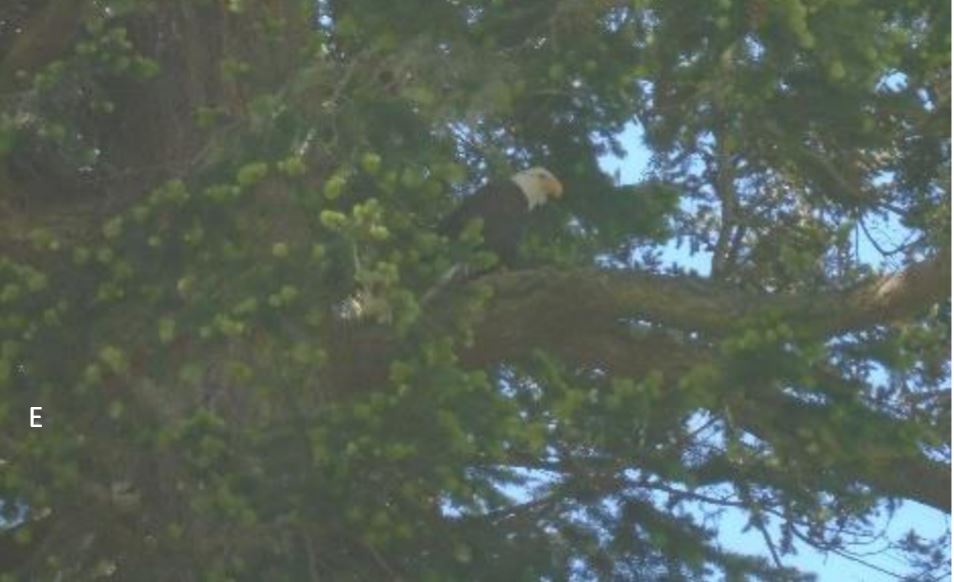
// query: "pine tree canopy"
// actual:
[[224, 281]]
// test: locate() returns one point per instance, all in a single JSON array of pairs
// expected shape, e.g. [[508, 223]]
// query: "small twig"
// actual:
[[310, 551], [848, 556], [446, 279], [759, 521], [902, 247], [380, 561]]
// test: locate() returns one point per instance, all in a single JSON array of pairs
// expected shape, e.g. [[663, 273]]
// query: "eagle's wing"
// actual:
[[473, 206]]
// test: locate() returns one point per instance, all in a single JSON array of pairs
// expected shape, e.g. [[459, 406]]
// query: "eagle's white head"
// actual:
[[538, 185]]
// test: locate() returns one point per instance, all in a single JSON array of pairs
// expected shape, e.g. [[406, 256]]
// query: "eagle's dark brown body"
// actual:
[[504, 210]]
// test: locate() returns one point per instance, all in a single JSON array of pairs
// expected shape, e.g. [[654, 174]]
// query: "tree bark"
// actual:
[[45, 37], [612, 320], [543, 305]]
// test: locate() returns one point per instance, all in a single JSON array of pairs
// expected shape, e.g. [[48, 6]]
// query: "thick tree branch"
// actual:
[[613, 320], [881, 462], [577, 315], [546, 304], [613, 348], [888, 298]]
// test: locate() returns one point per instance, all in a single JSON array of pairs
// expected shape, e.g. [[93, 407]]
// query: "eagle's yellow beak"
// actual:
[[554, 188]]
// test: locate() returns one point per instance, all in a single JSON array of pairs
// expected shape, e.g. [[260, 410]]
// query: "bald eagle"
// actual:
[[504, 207]]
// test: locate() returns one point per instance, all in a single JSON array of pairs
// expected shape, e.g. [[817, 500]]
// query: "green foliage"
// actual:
[[197, 191]]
